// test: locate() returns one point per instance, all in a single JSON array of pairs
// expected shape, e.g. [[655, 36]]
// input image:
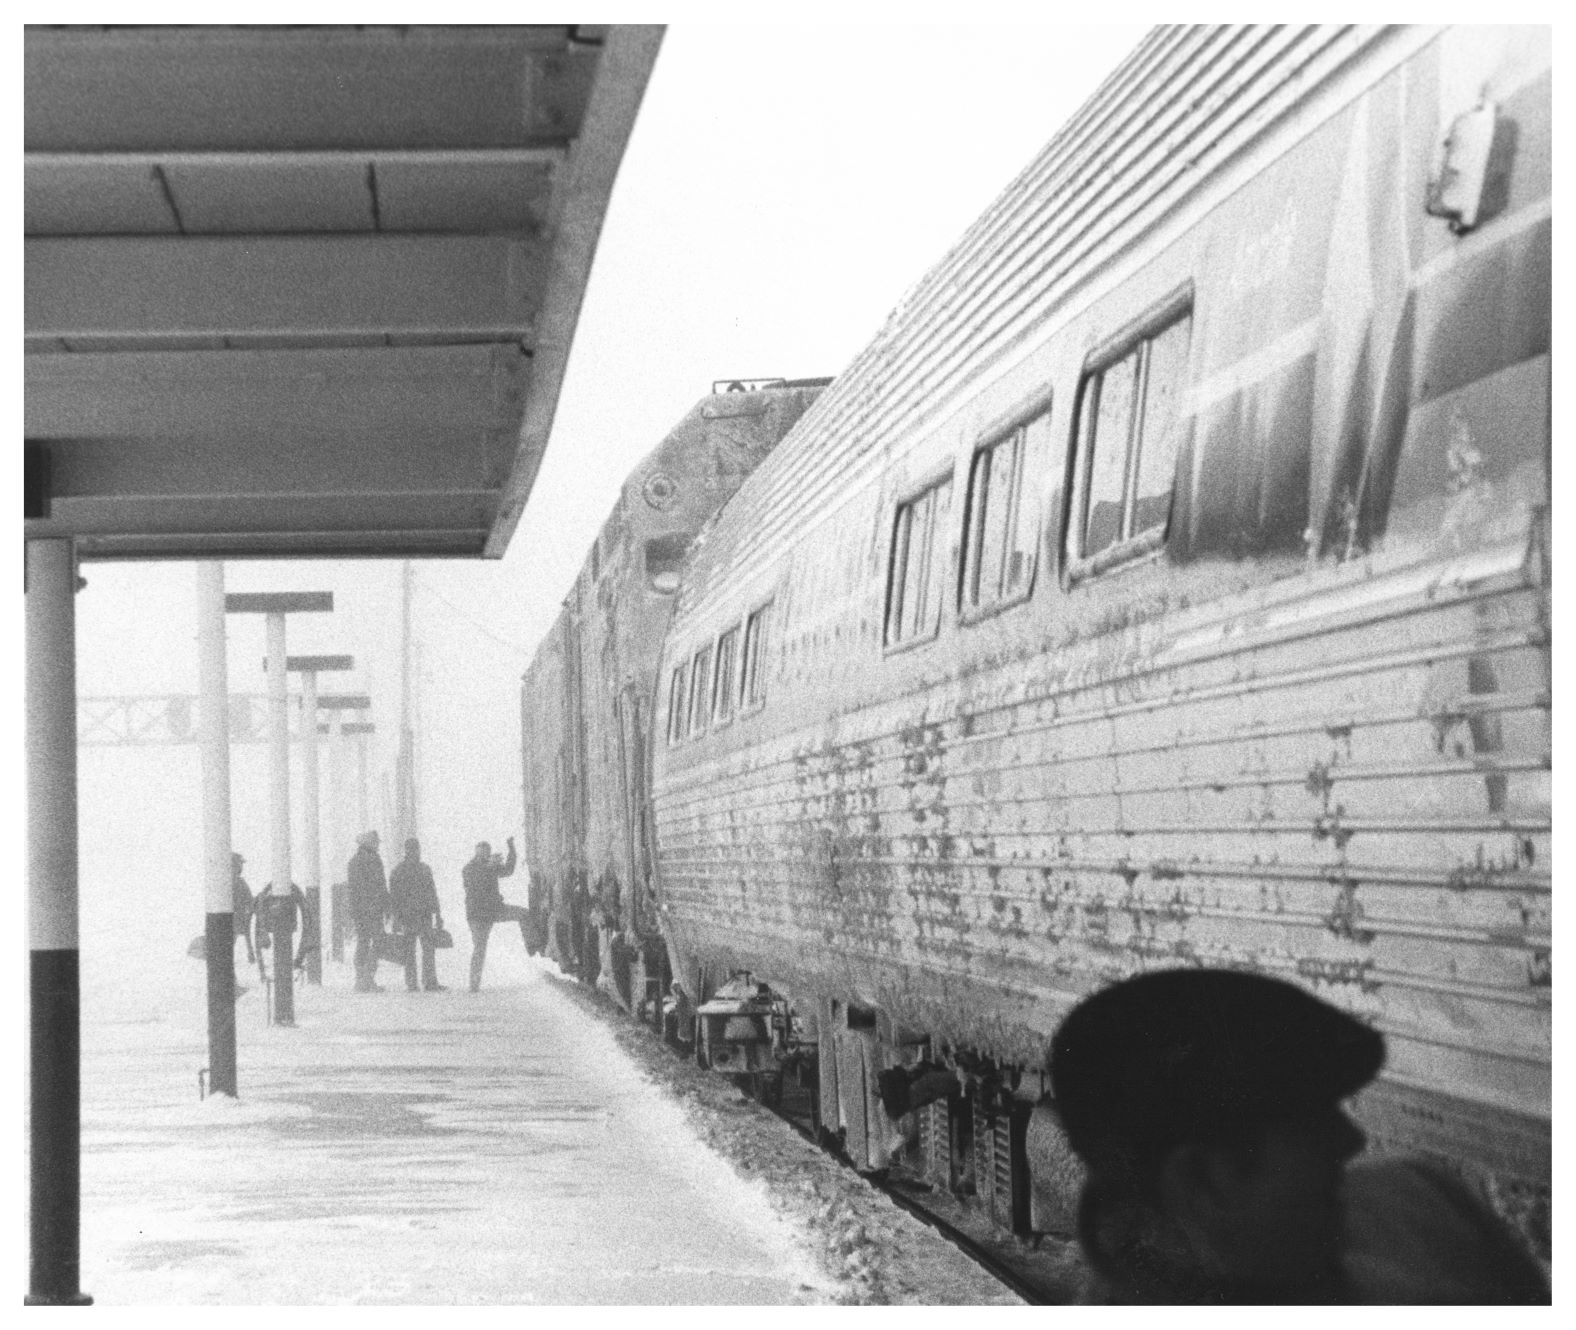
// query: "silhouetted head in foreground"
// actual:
[[483, 850], [368, 840], [413, 850], [1206, 1105]]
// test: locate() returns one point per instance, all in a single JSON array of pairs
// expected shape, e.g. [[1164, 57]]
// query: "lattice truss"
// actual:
[[171, 718]]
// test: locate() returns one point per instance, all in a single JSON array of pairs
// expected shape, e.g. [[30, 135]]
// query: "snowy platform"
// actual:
[[402, 1147]]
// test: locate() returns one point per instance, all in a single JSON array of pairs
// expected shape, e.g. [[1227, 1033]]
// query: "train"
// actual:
[[1167, 583]]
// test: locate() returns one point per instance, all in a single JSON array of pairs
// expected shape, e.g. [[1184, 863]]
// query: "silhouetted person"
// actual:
[[300, 918], [413, 900], [369, 907], [241, 905], [1207, 1107], [485, 906]]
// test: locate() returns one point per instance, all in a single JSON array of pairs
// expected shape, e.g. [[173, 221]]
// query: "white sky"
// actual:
[[783, 187]]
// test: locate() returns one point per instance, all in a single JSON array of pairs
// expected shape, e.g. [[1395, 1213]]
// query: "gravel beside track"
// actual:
[[872, 1250]]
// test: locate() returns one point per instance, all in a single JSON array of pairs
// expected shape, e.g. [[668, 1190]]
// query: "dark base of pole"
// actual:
[[284, 976], [336, 921], [221, 1004], [56, 1131], [314, 955]]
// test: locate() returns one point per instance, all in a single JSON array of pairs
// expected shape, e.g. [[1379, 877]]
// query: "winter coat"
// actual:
[[1413, 1234], [483, 900], [368, 889], [413, 897], [240, 904]]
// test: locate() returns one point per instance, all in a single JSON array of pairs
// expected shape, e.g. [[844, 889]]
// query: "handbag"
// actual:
[[396, 948], [442, 939]]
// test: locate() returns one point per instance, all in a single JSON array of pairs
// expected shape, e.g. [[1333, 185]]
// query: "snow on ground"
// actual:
[[402, 1148], [527, 1144], [874, 1251]]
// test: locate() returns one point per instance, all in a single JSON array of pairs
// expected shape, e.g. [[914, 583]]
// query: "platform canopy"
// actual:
[[298, 291]]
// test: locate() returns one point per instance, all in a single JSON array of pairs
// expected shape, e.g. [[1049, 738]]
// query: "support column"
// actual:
[[55, 1125], [311, 873], [277, 907], [336, 833], [342, 833], [363, 813], [309, 667], [280, 913], [213, 730]]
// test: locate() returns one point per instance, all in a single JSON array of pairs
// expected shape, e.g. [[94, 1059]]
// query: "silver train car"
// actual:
[[1166, 584], [588, 694]]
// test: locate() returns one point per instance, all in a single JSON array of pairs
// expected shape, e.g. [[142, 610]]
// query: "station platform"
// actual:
[[397, 1147]]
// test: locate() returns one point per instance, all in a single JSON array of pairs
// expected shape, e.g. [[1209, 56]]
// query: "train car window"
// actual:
[[678, 694], [756, 630], [700, 689], [918, 569], [1001, 531], [723, 687], [1165, 377], [1128, 434]]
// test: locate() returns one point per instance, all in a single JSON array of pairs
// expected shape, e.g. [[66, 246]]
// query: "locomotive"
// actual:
[[1166, 584], [587, 695]]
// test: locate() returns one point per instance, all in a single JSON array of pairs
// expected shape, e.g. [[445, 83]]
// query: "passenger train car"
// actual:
[[1166, 584], [588, 694]]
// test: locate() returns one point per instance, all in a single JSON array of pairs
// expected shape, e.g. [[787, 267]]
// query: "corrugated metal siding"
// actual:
[[1227, 796]]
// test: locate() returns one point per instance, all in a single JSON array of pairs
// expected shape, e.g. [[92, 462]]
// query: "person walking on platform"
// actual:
[[369, 907], [485, 905], [413, 899], [241, 905]]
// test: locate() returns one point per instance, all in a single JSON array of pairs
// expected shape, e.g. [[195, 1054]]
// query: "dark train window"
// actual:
[[1001, 533], [700, 689], [1128, 435], [722, 688], [678, 694], [752, 688], [917, 574]]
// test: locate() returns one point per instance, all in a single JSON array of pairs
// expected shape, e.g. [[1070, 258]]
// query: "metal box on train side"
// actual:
[[589, 690], [1167, 585]]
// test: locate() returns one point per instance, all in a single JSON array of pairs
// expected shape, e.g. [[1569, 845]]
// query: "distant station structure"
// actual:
[[288, 291]]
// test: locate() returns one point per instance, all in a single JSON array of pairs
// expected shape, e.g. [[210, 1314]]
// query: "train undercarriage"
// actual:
[[889, 1102]]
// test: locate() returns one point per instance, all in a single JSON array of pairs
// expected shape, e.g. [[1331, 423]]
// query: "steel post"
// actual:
[[213, 728], [336, 834], [55, 1126], [311, 873], [363, 813], [280, 918]]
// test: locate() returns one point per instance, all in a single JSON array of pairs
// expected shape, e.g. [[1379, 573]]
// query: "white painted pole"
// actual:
[[52, 745], [311, 871], [279, 817], [363, 811], [213, 733], [338, 856]]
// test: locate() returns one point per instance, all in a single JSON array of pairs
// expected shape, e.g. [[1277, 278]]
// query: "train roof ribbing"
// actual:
[[1163, 123]]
